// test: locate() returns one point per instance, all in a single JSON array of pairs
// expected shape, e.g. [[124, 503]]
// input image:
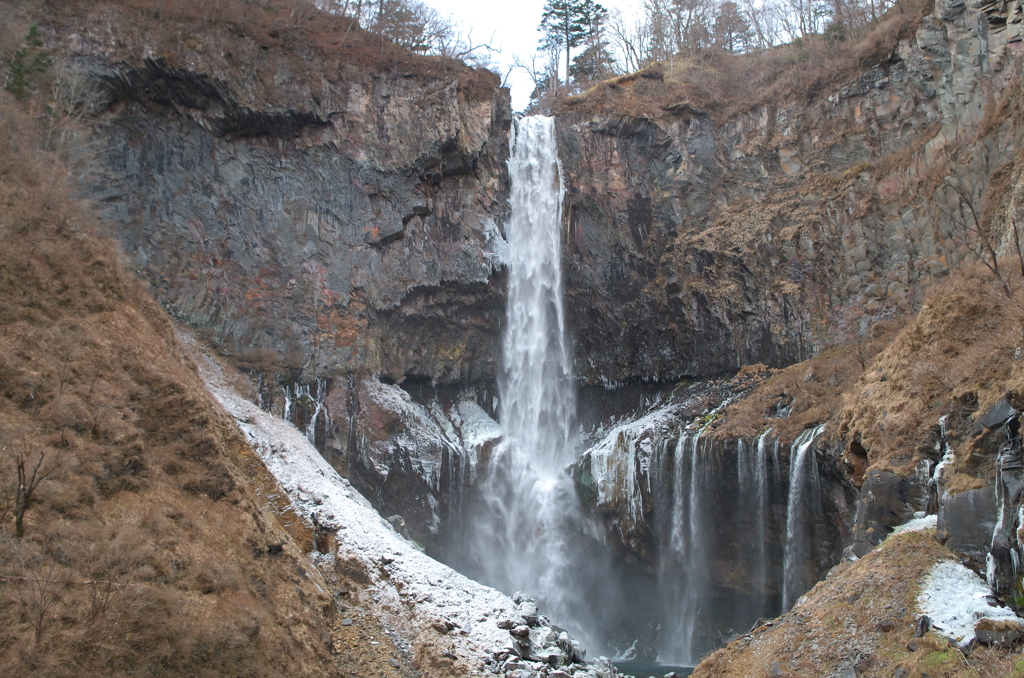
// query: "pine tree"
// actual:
[[28, 62], [731, 30], [570, 23], [592, 64]]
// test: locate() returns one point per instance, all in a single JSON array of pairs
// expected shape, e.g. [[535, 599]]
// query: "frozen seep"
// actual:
[[961, 605]]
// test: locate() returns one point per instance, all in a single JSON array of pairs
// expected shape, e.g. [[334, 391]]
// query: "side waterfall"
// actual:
[[738, 529], [522, 541], [803, 476]]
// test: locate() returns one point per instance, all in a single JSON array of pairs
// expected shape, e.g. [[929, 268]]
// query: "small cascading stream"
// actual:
[[687, 549], [753, 483], [804, 501], [522, 539], [775, 551]]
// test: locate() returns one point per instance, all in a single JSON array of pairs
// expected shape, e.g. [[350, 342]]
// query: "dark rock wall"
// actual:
[[694, 247], [362, 234]]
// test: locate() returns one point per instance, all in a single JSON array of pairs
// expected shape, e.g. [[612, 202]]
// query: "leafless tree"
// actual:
[[30, 466], [632, 40], [37, 584]]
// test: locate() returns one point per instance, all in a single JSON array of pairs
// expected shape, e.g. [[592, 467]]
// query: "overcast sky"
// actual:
[[513, 23]]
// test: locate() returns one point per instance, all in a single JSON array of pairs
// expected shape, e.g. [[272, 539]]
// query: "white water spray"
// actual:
[[522, 540]]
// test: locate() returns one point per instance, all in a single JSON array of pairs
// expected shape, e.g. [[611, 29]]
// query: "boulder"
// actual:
[[1002, 632]]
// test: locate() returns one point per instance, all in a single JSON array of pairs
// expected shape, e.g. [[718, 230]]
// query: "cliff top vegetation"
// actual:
[[727, 84], [230, 39]]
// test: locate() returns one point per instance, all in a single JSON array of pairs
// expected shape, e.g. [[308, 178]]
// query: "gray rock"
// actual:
[[966, 520], [1001, 632], [994, 416], [922, 626]]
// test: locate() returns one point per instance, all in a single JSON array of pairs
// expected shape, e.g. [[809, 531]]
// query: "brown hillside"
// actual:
[[150, 547], [860, 620]]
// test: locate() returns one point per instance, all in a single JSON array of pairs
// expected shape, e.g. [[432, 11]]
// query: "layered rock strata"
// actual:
[[694, 246]]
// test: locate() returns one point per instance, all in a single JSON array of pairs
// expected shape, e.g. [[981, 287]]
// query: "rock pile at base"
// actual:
[[538, 649]]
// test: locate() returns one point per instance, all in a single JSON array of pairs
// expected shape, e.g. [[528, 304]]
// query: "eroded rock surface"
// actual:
[[694, 247]]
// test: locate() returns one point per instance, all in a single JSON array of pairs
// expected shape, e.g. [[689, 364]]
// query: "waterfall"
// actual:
[[304, 406], [687, 548], [803, 476], [752, 481], [521, 540]]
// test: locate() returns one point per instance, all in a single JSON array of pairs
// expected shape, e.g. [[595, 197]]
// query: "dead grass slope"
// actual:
[[151, 543], [882, 393], [960, 355], [729, 85], [862, 618]]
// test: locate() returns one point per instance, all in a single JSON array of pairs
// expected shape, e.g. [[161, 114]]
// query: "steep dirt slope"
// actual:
[[860, 621], [151, 543]]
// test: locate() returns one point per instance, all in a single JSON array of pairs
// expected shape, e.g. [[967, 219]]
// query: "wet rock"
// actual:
[[886, 500], [967, 519], [1002, 632], [553, 655], [997, 415]]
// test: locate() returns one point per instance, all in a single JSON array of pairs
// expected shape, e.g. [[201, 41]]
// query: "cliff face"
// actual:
[[695, 247], [342, 224], [350, 224], [325, 214]]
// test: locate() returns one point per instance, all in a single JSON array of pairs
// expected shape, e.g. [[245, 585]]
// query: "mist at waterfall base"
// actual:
[[526, 528]]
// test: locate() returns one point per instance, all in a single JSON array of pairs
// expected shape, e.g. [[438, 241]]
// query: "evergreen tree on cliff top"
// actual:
[[570, 23]]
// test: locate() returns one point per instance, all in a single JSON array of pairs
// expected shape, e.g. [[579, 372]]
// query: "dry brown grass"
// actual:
[[813, 390], [960, 354], [246, 41], [727, 85], [883, 394], [862, 611], [126, 567]]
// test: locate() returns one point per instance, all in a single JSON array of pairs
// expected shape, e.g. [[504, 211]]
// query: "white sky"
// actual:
[[513, 23]]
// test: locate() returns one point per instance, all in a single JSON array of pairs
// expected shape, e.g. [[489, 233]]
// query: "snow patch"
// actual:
[[476, 427], [917, 525], [410, 589], [955, 598]]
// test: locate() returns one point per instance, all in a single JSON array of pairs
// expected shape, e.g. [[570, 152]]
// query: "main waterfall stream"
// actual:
[[522, 538]]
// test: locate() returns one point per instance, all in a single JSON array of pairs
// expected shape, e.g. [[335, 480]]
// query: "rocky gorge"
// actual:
[[340, 234]]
